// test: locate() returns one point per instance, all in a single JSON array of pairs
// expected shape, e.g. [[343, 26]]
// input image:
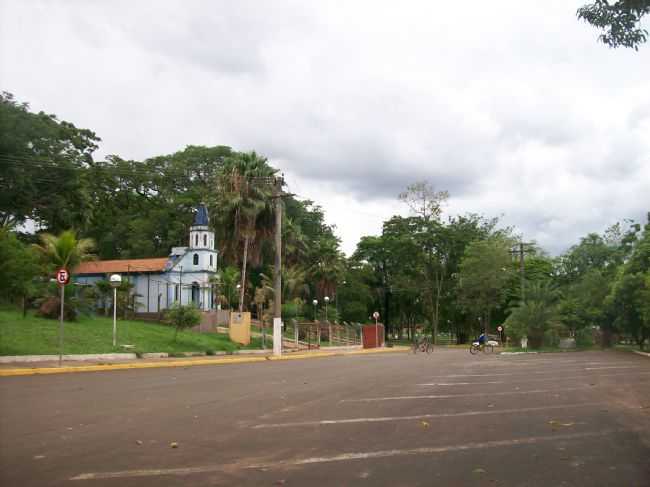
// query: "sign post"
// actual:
[[115, 281], [375, 315], [62, 279]]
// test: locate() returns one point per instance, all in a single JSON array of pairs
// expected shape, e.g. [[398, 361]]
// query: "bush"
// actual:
[[585, 338], [50, 307], [182, 317], [551, 338]]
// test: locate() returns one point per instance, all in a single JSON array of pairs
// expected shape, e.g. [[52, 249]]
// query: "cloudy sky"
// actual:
[[512, 106]]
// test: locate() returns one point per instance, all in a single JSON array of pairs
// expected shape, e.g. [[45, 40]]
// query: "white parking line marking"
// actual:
[[325, 422], [462, 383], [614, 367], [536, 372], [471, 394], [344, 457], [534, 379]]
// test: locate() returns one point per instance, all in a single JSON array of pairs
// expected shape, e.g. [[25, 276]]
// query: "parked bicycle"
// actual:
[[477, 347], [423, 344]]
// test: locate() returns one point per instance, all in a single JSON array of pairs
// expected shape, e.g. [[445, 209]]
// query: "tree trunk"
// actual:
[[243, 275]]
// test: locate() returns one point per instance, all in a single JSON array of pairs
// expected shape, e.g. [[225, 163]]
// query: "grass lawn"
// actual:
[[39, 336]]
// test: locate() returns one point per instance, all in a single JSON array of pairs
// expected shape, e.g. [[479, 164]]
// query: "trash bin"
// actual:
[[373, 336]]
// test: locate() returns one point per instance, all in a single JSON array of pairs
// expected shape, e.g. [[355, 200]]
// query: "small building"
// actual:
[[184, 277]]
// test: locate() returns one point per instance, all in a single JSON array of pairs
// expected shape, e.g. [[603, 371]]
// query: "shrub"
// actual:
[[182, 317], [551, 338], [50, 307], [585, 338]]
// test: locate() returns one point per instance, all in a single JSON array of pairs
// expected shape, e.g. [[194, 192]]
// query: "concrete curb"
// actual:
[[9, 359], [638, 352], [188, 363], [70, 358]]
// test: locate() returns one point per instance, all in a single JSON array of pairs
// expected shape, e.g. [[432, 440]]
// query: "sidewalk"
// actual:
[[52, 367]]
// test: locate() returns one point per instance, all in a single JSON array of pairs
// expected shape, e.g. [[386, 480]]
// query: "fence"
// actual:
[[308, 335]]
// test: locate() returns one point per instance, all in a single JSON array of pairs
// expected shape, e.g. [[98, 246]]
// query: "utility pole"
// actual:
[[522, 271], [521, 250], [277, 271]]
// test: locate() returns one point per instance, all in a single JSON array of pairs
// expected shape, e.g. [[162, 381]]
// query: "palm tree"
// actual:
[[246, 183], [537, 314], [328, 267], [294, 283], [66, 250]]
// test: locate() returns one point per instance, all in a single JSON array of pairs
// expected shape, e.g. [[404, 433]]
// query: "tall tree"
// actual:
[[246, 183], [18, 268], [41, 168], [484, 273], [630, 292]]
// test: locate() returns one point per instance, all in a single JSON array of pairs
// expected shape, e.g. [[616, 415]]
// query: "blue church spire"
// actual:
[[201, 217]]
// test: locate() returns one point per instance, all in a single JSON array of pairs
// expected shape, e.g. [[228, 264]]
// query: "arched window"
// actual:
[[196, 240], [210, 261], [205, 240], [196, 259]]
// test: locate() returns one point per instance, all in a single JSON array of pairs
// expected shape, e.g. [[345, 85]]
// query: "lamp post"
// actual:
[[329, 326], [375, 315], [217, 287], [238, 288], [315, 303], [116, 281]]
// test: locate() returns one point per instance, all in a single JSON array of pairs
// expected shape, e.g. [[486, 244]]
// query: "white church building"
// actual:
[[184, 277]]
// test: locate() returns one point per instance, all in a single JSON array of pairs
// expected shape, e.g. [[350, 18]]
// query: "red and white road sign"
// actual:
[[375, 315], [62, 276], [499, 328]]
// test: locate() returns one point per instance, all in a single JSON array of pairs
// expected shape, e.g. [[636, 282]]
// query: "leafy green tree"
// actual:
[[484, 273], [619, 20], [42, 160], [183, 317], [18, 269], [630, 294]]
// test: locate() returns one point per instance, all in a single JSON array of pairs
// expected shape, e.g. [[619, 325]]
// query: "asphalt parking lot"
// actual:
[[448, 418]]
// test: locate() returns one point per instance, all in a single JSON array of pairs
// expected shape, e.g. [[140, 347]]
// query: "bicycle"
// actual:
[[476, 347], [424, 344]]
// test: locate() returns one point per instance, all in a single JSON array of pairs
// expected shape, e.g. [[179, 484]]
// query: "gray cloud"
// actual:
[[517, 112]]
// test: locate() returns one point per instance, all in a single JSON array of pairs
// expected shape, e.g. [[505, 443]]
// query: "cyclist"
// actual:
[[481, 338]]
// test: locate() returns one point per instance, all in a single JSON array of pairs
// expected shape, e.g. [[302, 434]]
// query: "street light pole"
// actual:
[[115, 281], [329, 326]]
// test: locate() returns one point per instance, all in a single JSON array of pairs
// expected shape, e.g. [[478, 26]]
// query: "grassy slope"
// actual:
[[38, 336]]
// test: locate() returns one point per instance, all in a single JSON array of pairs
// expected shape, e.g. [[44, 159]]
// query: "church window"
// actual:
[[196, 240], [176, 292], [210, 261], [205, 240], [196, 259]]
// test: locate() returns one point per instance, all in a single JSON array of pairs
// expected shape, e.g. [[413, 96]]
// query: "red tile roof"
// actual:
[[121, 266]]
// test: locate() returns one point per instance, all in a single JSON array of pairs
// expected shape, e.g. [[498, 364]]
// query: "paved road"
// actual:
[[392, 419]]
